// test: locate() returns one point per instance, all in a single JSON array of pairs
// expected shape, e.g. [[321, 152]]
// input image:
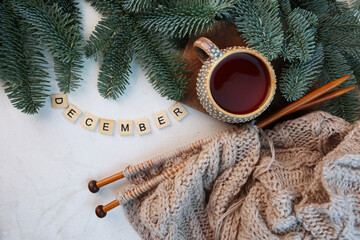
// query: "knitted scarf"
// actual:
[[300, 180]]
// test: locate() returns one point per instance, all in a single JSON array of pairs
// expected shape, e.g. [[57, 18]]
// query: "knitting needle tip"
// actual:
[[93, 187], [335, 83], [345, 77], [100, 211]]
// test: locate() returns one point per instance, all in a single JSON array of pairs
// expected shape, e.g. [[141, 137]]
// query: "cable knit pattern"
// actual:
[[232, 188]]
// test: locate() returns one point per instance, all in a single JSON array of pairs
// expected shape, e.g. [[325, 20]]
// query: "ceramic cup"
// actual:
[[235, 84]]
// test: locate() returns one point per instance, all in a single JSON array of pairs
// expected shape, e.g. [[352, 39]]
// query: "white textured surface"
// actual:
[[46, 161]]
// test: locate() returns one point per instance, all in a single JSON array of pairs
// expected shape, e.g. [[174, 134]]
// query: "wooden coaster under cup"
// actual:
[[224, 34]]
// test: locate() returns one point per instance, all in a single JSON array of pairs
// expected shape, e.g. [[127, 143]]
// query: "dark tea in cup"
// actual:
[[240, 83]]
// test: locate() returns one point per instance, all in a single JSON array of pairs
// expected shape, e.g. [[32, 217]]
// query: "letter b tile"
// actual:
[[142, 126]]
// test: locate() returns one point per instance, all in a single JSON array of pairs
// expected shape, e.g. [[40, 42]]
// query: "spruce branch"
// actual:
[[342, 32], [22, 64], [68, 70], [100, 38], [346, 106], [300, 42], [69, 7], [259, 23], [296, 78], [115, 69], [352, 4], [340, 29], [185, 18], [285, 7], [344, 6], [318, 7], [60, 35], [353, 60], [112, 39], [164, 70], [118, 38], [68, 74], [107, 7], [139, 6]]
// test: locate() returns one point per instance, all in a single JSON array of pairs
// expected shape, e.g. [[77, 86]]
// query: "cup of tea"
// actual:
[[235, 84]]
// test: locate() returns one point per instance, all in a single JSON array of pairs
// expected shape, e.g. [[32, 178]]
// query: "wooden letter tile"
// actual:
[[59, 100], [72, 113], [125, 127], [89, 121], [161, 119], [106, 126], [178, 111], [142, 126]]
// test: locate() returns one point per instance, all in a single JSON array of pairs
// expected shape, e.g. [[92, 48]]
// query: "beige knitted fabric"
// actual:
[[233, 188]]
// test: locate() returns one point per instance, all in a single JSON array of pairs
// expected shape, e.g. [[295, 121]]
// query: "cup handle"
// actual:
[[205, 48]]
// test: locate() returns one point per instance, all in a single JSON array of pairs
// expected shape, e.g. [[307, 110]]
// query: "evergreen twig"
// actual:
[[318, 7], [185, 18], [100, 38], [69, 7], [259, 23], [298, 77], [285, 7], [115, 69], [164, 70], [118, 38], [300, 42], [340, 30], [346, 106], [139, 6], [107, 7], [51, 27], [22, 65]]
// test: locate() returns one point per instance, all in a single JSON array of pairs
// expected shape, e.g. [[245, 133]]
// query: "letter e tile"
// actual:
[[72, 113], [161, 119], [106, 126]]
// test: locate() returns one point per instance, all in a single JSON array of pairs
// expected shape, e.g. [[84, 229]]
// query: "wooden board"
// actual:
[[224, 34]]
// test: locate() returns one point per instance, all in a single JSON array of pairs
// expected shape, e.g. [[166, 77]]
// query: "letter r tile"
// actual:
[[178, 111]]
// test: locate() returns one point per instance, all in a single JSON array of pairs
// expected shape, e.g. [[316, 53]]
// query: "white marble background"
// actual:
[[46, 161]]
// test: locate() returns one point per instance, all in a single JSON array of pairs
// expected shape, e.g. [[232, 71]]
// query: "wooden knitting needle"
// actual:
[[138, 190], [94, 186], [324, 98], [101, 210], [304, 100]]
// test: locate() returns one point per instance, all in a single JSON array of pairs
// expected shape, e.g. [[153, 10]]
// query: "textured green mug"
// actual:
[[235, 84]]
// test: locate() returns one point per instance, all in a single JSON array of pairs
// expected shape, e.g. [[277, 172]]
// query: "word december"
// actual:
[[106, 126]]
